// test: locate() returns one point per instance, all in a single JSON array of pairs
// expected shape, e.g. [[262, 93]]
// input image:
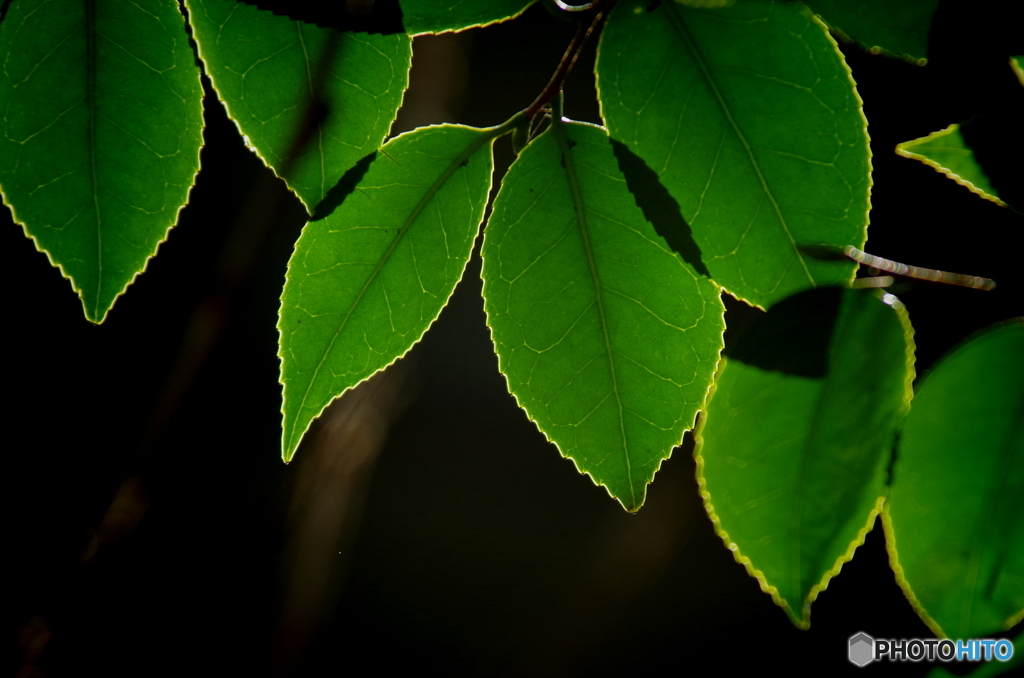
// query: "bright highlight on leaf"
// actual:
[[607, 338], [366, 282], [102, 125], [954, 521], [898, 28], [311, 101], [441, 16], [793, 447], [946, 152], [750, 116]]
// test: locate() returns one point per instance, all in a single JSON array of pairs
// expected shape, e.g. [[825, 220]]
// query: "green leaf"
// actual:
[[899, 28], [102, 127], [750, 116], [792, 449], [946, 151], [607, 339], [440, 16], [990, 668], [366, 282], [1017, 64], [954, 523], [272, 73]]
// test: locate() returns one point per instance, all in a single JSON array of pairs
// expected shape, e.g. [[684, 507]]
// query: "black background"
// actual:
[[154, 529]]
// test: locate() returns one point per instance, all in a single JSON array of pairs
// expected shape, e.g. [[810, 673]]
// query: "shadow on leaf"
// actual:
[[659, 207], [794, 336], [383, 16], [341, 190]]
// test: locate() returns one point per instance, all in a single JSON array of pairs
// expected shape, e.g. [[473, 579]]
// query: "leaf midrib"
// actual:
[[432, 190], [319, 125], [558, 129], [684, 33], [90, 142]]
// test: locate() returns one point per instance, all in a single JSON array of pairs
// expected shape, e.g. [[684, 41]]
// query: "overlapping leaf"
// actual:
[[311, 101], [365, 282], [899, 28], [439, 16], [946, 151], [954, 522], [750, 117], [102, 125], [607, 339], [793, 446]]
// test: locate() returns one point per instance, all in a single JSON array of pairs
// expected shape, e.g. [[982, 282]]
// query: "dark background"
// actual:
[[425, 522]]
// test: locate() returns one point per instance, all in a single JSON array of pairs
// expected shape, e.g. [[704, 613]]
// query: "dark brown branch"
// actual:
[[572, 52]]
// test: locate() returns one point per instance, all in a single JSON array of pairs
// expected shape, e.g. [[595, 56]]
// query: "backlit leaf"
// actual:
[[954, 523], [439, 16], [750, 117], [793, 446], [102, 125], [946, 151], [310, 101], [989, 669], [606, 337], [366, 282], [899, 28]]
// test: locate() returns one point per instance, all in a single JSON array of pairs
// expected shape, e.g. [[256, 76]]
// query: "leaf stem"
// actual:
[[572, 52]]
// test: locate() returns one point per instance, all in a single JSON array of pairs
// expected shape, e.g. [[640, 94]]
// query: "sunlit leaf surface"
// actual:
[[750, 117], [365, 283], [955, 522], [102, 125], [311, 101], [607, 338], [793, 447]]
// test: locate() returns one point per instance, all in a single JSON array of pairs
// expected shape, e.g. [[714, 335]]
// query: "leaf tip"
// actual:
[[801, 622], [901, 579]]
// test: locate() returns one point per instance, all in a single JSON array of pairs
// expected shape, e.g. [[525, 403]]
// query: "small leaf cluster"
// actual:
[[734, 158]]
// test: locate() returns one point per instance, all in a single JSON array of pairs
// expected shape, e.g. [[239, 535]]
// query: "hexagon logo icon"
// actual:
[[862, 649]]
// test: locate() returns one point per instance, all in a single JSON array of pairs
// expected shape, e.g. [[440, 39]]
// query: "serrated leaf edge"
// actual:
[[548, 438], [91, 317], [479, 25], [287, 454], [901, 579], [887, 526], [804, 622], [814, 18], [692, 427], [903, 150], [868, 47], [227, 109]]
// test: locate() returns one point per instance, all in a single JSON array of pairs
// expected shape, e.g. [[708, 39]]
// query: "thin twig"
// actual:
[[896, 268], [575, 8], [572, 52]]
